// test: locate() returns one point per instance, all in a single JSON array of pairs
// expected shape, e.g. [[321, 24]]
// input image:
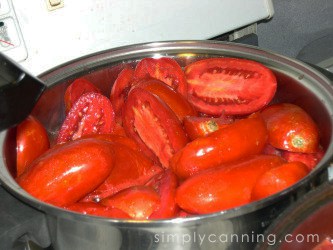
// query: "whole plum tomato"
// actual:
[[131, 168], [92, 113], [139, 202], [153, 125], [229, 85], [76, 89], [31, 141], [279, 178], [67, 172], [197, 126], [97, 209], [120, 89], [291, 128], [242, 138], [165, 185], [309, 159], [173, 99], [225, 187], [164, 69]]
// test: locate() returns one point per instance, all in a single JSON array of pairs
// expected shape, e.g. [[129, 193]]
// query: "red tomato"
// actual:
[[76, 89], [165, 185], [131, 168], [279, 178], [173, 99], [31, 141], [96, 209], [310, 160], [153, 125], [139, 201], [242, 138], [224, 187], [196, 127], [291, 128], [229, 85], [91, 114], [120, 90], [164, 69], [67, 172]]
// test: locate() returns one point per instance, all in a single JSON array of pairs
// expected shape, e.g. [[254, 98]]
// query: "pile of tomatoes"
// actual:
[[169, 142]]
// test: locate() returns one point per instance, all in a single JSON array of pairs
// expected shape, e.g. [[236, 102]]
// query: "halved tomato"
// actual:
[[164, 69], [91, 114], [229, 85], [77, 88], [153, 125]]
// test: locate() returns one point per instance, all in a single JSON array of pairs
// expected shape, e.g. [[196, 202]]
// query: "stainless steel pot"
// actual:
[[233, 229]]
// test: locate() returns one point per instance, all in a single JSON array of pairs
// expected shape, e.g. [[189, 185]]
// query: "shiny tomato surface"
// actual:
[[131, 168], [77, 88], [240, 139], [164, 69], [91, 114], [173, 99], [229, 85], [291, 128], [225, 187], [67, 172], [96, 209], [138, 202], [279, 178], [31, 141], [153, 125]]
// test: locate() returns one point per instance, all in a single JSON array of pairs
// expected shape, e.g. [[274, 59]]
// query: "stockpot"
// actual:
[[236, 228]]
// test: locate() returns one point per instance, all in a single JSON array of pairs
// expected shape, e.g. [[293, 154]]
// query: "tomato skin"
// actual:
[[196, 126], [224, 187], [241, 139], [309, 159], [31, 141], [165, 185], [229, 85], [67, 172], [91, 114], [291, 128], [173, 99], [131, 168], [279, 178], [76, 89], [96, 209], [138, 202], [164, 69], [120, 89], [153, 125]]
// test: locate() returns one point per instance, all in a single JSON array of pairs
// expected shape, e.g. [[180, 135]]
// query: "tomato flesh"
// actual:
[[229, 85]]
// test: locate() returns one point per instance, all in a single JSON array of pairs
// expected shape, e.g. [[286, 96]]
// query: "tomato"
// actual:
[[173, 99], [120, 90], [270, 150], [91, 114], [291, 128], [96, 209], [310, 160], [31, 141], [229, 85], [164, 69], [196, 126], [67, 172], [131, 168], [225, 187], [77, 88], [279, 178], [165, 185], [242, 138], [153, 125], [139, 201]]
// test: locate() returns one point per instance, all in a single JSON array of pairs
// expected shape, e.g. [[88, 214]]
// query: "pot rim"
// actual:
[[166, 48]]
